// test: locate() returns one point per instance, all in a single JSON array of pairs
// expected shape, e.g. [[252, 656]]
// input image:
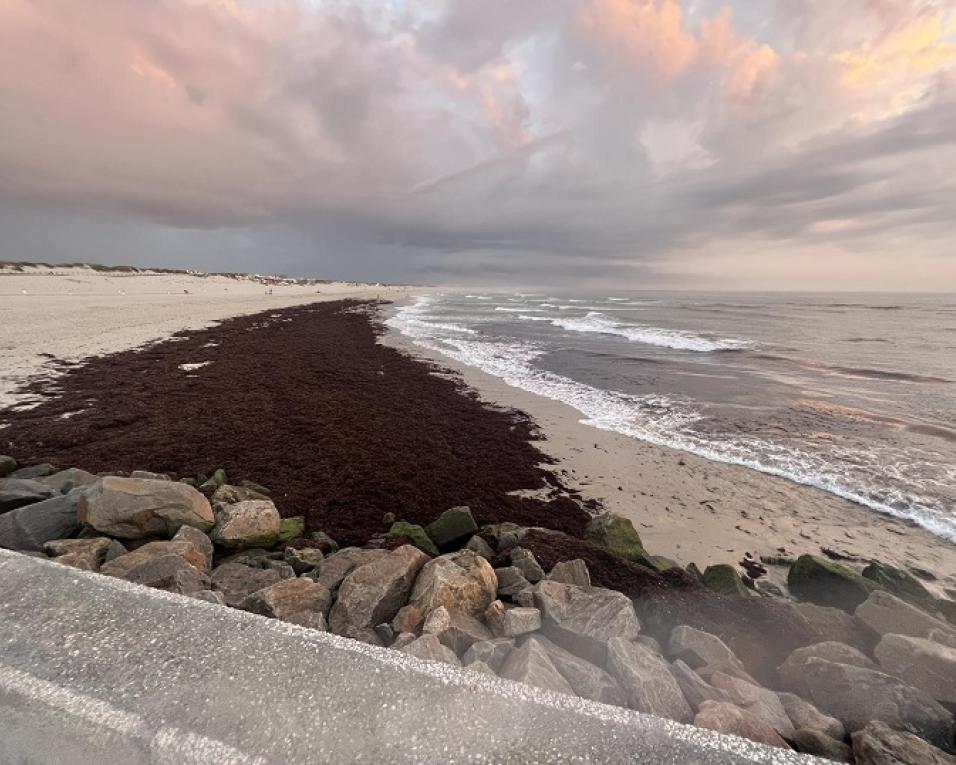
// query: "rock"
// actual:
[[250, 523], [34, 471], [827, 584], [527, 564], [66, 480], [150, 476], [650, 643], [403, 639], [492, 652], [765, 587], [855, 696], [453, 524], [217, 479], [429, 648], [256, 487], [583, 619], [695, 689], [30, 527], [480, 547], [694, 570], [887, 614], [227, 494], [723, 578], [943, 637], [524, 598], [661, 563], [7, 465], [303, 559], [587, 680], [571, 572], [385, 633], [520, 621], [494, 617], [724, 717], [698, 648], [479, 667], [817, 743], [86, 554], [332, 571], [199, 541], [168, 572], [324, 542], [879, 744], [455, 629], [510, 581], [836, 625], [298, 601], [792, 670], [804, 715], [209, 596], [460, 580], [17, 492], [121, 566], [921, 663], [414, 535], [530, 664], [408, 619], [291, 528], [646, 680], [236, 581], [503, 535], [617, 534], [897, 581], [760, 702], [114, 551], [131, 508], [373, 592]]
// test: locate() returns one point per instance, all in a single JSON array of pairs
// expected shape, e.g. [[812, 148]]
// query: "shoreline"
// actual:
[[731, 510]]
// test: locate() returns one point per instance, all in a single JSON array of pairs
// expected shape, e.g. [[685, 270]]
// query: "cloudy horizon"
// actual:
[[712, 144]]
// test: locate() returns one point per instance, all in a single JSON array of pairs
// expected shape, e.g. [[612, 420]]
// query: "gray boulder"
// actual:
[[759, 701], [571, 572], [237, 581], [7, 465], [695, 689], [298, 601], [461, 580], [804, 715], [200, 542], [303, 560], [724, 717], [408, 619], [921, 663], [527, 564], [698, 649], [646, 680], [429, 648], [531, 664], [17, 492], [150, 475], [69, 479], [480, 668], [331, 572], [817, 743], [587, 680], [887, 614], [34, 471], [250, 523], [455, 629], [209, 596], [32, 526], [510, 581], [130, 508], [453, 524], [791, 672], [480, 547], [491, 652], [122, 565], [583, 619], [170, 573], [855, 696], [943, 637], [880, 744], [373, 593], [86, 554]]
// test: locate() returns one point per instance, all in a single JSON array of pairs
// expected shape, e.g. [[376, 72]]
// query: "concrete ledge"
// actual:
[[96, 670]]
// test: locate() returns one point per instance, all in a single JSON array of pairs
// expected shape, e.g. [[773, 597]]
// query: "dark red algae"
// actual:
[[306, 401]]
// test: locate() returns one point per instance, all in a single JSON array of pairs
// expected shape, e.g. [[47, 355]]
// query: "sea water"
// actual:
[[853, 394]]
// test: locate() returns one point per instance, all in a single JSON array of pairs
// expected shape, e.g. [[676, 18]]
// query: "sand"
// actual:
[[694, 510], [73, 313]]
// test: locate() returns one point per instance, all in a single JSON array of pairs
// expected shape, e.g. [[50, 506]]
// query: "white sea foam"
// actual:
[[515, 310], [526, 317], [668, 421], [668, 338]]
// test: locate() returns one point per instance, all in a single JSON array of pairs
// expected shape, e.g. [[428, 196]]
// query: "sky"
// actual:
[[698, 144]]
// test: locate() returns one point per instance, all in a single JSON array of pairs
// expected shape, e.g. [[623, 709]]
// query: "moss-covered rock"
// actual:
[[618, 535], [217, 479], [415, 535], [723, 578], [662, 564], [828, 584], [291, 528], [694, 570], [900, 583], [453, 524]]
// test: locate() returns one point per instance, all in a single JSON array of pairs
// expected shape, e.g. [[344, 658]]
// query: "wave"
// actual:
[[667, 338], [669, 421], [515, 310], [526, 317], [880, 374]]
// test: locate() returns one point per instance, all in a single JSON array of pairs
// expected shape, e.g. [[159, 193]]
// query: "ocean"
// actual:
[[853, 394]]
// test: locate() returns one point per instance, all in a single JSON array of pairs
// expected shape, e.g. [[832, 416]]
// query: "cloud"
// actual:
[[612, 139]]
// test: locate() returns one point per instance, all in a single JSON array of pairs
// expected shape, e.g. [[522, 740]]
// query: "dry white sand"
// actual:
[[74, 313], [694, 510]]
